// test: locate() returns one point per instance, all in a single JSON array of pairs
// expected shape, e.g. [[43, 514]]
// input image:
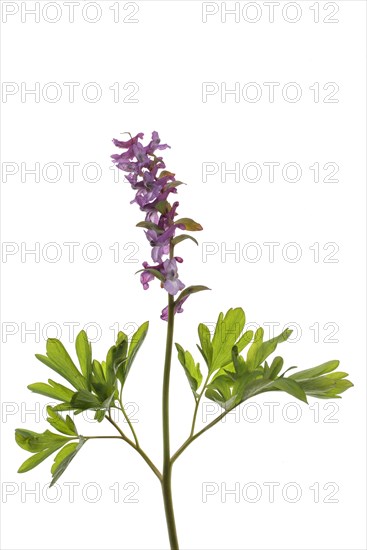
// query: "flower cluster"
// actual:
[[153, 185]]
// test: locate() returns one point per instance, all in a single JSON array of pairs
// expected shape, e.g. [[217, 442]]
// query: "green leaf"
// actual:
[[175, 183], [65, 407], [239, 364], [116, 358], [98, 373], [135, 344], [150, 225], [321, 381], [34, 460], [84, 353], [192, 369], [231, 389], [84, 400], [221, 391], [35, 442], [108, 402], [63, 459], [326, 387], [227, 332], [287, 370], [235, 380], [255, 387], [315, 371], [100, 414], [190, 225], [206, 344], [259, 350], [154, 272], [53, 390], [60, 361], [104, 392], [191, 290], [181, 238], [44, 444], [66, 426], [275, 367], [253, 350], [244, 340], [163, 207], [291, 387], [165, 173]]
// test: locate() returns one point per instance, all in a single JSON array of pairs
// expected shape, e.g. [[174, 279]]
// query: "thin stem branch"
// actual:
[[137, 449], [129, 422], [197, 406], [102, 436], [192, 438]]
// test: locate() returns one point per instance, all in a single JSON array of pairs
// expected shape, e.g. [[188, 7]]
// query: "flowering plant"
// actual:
[[229, 377]]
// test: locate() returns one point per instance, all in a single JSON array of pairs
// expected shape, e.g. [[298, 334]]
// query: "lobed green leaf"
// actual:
[[192, 369], [227, 333], [136, 342], [65, 426], [53, 390], [60, 361], [84, 352], [63, 459]]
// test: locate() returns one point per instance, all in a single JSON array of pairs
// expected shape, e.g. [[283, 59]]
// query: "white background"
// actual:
[[169, 52]]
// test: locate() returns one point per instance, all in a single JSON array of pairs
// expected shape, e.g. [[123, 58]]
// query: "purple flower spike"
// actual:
[[152, 185]]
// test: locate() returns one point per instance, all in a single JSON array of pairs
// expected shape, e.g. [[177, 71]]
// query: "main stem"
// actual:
[[167, 465]]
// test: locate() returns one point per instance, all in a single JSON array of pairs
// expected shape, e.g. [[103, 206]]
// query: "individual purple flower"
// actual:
[[166, 220], [129, 143], [124, 164], [141, 156], [152, 216], [161, 197], [160, 242], [145, 197], [172, 283], [132, 178], [146, 277], [177, 308], [155, 144], [168, 275]]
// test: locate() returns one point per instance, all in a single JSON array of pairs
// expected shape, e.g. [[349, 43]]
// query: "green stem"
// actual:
[[192, 438], [101, 436], [137, 449], [167, 465], [197, 406], [129, 422]]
